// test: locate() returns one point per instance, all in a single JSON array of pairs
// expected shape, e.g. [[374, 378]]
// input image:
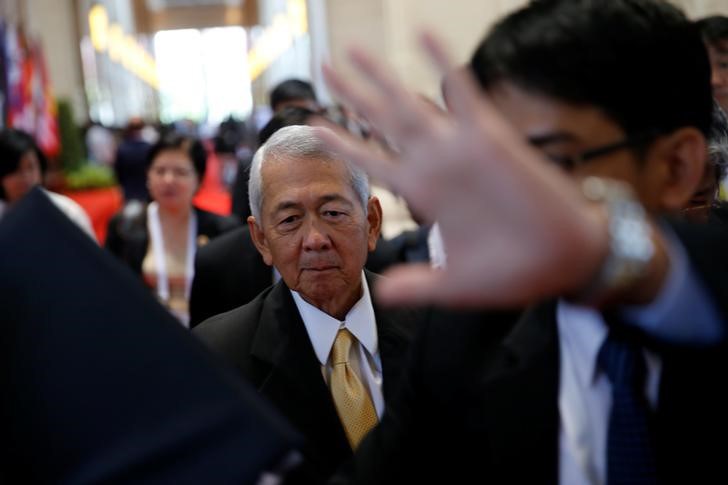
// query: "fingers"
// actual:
[[375, 72], [411, 284], [421, 285], [376, 163], [361, 103], [437, 52], [392, 108]]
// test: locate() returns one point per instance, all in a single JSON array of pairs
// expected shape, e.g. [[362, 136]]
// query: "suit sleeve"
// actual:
[[684, 297], [114, 242]]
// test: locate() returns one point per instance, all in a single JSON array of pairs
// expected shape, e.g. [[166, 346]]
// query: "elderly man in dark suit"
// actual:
[[316, 344]]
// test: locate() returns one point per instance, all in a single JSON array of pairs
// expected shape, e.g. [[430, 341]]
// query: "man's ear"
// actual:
[[374, 218], [683, 154], [261, 243]]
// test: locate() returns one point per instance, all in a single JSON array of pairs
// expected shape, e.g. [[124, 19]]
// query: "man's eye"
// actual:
[[333, 213], [289, 220]]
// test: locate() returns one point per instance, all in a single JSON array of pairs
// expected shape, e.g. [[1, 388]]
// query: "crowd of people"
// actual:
[[557, 313]]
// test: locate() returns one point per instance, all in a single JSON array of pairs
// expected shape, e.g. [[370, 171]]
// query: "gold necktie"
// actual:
[[351, 398]]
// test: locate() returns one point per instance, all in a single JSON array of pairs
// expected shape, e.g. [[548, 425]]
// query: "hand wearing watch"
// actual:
[[631, 247]]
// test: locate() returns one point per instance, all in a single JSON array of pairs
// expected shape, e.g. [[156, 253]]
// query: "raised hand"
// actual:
[[515, 228]]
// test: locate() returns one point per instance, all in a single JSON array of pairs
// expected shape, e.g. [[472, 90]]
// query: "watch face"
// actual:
[[631, 247]]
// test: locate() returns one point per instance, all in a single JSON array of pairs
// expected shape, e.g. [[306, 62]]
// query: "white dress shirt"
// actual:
[[585, 395], [585, 398], [364, 358]]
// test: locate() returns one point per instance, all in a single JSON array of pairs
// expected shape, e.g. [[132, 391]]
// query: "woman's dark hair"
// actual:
[[191, 146], [13, 145]]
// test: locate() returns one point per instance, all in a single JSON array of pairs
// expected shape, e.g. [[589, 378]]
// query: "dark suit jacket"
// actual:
[[100, 384], [480, 399], [130, 168], [229, 272], [128, 236], [266, 341]]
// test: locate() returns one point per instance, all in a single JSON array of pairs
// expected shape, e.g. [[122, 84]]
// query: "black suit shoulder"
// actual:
[[127, 236], [229, 272], [212, 225], [230, 334]]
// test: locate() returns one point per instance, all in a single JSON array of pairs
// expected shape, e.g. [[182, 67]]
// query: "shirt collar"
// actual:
[[322, 327], [583, 331]]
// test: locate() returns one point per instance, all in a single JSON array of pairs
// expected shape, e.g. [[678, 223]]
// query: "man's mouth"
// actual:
[[320, 268]]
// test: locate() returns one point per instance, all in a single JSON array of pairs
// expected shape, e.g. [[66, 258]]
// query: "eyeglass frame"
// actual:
[[571, 162]]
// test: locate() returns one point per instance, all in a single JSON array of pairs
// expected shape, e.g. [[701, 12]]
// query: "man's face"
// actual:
[[315, 231], [562, 130], [718, 54]]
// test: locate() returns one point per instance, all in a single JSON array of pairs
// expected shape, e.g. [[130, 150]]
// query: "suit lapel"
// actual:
[[522, 394], [294, 381], [395, 331]]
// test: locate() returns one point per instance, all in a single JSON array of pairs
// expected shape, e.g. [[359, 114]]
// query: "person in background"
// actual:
[[100, 144], [22, 165], [159, 241], [715, 35], [705, 203], [130, 162], [293, 92], [227, 142]]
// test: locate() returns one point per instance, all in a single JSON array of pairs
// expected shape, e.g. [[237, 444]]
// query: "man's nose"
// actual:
[[315, 237]]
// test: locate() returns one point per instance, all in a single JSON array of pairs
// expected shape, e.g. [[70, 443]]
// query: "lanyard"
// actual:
[[160, 261]]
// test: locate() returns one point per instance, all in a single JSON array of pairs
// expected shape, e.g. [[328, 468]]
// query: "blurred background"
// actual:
[[80, 74]]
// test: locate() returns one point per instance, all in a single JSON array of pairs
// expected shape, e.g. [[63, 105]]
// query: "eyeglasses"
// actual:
[[569, 162]]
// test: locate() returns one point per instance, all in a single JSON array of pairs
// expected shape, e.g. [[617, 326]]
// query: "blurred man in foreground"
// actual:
[[596, 384]]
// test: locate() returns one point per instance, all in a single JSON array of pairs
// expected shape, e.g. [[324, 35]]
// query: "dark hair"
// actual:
[[291, 90], [13, 145], [640, 61], [133, 127], [718, 142], [292, 115], [714, 29], [176, 141], [230, 134]]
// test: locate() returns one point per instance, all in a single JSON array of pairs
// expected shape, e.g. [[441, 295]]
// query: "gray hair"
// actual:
[[718, 142], [299, 141]]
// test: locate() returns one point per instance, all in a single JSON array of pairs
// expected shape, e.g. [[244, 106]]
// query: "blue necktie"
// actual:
[[630, 456]]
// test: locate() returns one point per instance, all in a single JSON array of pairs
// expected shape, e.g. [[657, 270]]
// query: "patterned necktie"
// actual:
[[351, 398], [630, 456]]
